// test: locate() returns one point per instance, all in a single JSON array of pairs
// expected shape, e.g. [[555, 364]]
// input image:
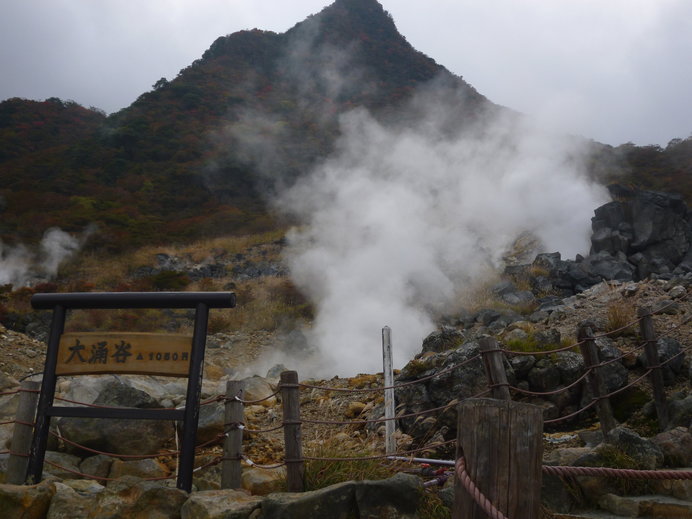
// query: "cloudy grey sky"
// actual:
[[612, 70]]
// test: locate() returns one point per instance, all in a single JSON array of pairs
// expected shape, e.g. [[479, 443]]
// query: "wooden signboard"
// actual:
[[120, 352], [83, 353]]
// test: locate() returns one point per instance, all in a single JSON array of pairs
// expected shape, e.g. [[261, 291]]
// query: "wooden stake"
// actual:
[[21, 435], [494, 368], [234, 417], [295, 466], [646, 328], [502, 444], [587, 345], [390, 424]]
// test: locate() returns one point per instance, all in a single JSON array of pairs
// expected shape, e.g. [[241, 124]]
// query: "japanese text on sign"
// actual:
[[161, 354]]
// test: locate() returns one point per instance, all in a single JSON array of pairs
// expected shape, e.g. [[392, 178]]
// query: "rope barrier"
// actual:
[[24, 390], [382, 456], [112, 454], [22, 422], [475, 493], [99, 406], [557, 391], [430, 461], [618, 330], [20, 454], [242, 426], [395, 386], [571, 415], [557, 470], [259, 400], [398, 417], [100, 478], [216, 439], [545, 352], [253, 464], [217, 398]]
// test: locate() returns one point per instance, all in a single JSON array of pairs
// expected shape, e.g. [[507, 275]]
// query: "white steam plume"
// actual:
[[402, 218], [20, 266]]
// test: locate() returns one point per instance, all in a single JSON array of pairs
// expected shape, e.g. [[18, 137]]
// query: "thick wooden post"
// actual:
[[231, 469], [290, 396], [646, 328], [501, 442], [21, 435], [587, 345], [390, 424], [494, 368]]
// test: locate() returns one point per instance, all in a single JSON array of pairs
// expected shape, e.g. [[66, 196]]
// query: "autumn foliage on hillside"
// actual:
[[180, 162]]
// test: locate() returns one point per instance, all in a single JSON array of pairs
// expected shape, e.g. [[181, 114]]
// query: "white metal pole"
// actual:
[[389, 424]]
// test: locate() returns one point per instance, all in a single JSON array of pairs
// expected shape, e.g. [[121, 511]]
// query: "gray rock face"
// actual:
[[219, 504], [544, 376], [642, 235], [644, 451], [669, 356], [30, 501], [676, 446], [680, 410], [651, 229], [118, 436], [446, 339], [397, 497]]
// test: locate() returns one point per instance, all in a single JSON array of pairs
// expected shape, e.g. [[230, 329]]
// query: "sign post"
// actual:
[[152, 354]]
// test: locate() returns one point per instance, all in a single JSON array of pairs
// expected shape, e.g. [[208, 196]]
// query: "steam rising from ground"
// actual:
[[404, 217], [19, 265], [414, 205]]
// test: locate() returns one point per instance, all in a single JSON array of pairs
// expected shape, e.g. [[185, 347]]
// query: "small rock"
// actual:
[[99, 465], [259, 388], [619, 505], [630, 289], [219, 504], [26, 501], [677, 292], [144, 468], [676, 445], [260, 482]]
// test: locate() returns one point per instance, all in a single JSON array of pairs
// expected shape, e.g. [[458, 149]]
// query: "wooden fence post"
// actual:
[[501, 442], [587, 345], [390, 423], [295, 467], [646, 328], [22, 433], [494, 368], [231, 469]]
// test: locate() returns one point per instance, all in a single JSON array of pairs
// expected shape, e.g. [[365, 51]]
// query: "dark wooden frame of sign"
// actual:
[[59, 303]]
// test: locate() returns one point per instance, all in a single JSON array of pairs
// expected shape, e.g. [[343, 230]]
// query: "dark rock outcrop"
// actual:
[[640, 235]]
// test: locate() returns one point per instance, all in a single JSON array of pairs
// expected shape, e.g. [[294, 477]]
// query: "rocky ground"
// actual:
[[228, 355], [534, 305]]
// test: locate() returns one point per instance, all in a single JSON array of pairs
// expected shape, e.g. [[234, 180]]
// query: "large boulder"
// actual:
[[653, 230], [440, 383], [398, 496], [116, 435], [670, 356], [26, 501], [220, 504], [442, 340]]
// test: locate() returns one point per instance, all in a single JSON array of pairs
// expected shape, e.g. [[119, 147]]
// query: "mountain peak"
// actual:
[[345, 18]]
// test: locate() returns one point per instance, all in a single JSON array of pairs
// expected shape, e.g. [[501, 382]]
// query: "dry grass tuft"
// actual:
[[621, 318]]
